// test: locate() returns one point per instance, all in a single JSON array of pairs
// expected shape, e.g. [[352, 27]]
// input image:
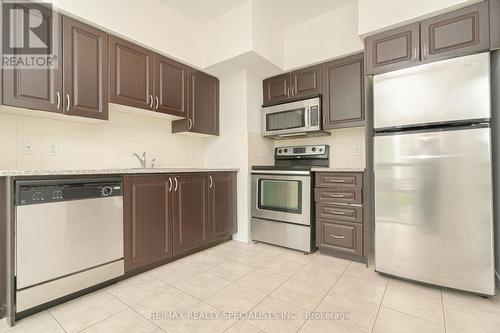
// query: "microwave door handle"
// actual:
[[307, 116]]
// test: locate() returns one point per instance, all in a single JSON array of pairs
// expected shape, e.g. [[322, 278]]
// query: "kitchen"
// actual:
[[221, 161]]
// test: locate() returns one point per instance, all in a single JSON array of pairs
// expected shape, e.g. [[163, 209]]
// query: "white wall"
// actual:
[[230, 149], [267, 37], [378, 15], [227, 36], [150, 23], [331, 35], [94, 145]]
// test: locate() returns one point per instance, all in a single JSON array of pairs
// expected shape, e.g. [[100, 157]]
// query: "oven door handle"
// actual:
[[281, 172]]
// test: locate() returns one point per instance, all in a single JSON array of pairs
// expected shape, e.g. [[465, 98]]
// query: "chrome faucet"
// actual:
[[141, 159], [153, 163]]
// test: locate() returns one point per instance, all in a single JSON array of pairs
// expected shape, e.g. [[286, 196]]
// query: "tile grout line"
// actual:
[[333, 285], [442, 308], [380, 305], [57, 321]]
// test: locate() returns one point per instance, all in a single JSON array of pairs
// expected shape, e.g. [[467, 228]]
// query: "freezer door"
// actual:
[[433, 208], [450, 90]]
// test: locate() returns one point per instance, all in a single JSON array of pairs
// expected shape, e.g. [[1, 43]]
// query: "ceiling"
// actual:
[[284, 12]]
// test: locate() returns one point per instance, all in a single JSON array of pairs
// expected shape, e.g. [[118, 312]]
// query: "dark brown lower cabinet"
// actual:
[[191, 212], [221, 205], [147, 220], [168, 216]]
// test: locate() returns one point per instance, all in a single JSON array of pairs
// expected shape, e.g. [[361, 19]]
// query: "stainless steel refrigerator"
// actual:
[[433, 174]]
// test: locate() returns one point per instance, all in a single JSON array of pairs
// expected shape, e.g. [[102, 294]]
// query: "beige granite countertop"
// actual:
[[16, 173], [321, 169]]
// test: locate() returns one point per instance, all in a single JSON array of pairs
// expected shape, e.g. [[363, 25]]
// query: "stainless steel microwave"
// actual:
[[292, 119]]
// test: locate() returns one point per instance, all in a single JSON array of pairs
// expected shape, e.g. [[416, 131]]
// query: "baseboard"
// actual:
[[245, 238]]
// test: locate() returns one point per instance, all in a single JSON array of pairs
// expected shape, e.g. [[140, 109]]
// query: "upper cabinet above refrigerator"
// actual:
[[447, 91]]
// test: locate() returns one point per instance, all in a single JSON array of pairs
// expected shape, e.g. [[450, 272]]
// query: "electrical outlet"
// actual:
[[192, 155], [28, 148], [357, 150], [53, 149]]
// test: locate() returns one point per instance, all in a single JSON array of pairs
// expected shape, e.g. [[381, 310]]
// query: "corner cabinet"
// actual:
[[343, 92], [168, 216], [203, 105]]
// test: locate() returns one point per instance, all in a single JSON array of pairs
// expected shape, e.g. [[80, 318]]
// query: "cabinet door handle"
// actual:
[[190, 123], [169, 184], [68, 102], [150, 101], [336, 236], [58, 95], [211, 181], [157, 103], [176, 184], [293, 91]]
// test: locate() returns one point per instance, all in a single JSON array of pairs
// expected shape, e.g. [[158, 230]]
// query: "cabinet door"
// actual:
[[85, 56], [39, 89], [203, 112], [190, 221], [131, 74], [147, 220], [222, 205], [393, 49], [306, 82], [494, 24], [170, 87], [456, 33], [277, 89], [343, 93]]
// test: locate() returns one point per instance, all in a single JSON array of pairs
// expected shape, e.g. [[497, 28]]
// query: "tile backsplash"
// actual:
[[347, 146], [28, 142]]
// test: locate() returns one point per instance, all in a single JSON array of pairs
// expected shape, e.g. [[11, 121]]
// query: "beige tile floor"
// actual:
[[244, 288]]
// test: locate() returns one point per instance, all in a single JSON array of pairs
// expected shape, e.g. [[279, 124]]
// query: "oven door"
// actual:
[[282, 197]]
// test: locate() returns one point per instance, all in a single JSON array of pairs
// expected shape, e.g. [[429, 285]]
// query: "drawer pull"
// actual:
[[335, 195], [336, 212], [340, 237], [337, 180]]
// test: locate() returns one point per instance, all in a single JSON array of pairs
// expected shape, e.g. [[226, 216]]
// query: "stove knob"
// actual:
[[106, 191], [280, 151], [314, 149], [286, 150], [320, 150]]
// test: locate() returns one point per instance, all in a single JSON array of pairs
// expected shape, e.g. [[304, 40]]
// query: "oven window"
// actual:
[[286, 120], [280, 195]]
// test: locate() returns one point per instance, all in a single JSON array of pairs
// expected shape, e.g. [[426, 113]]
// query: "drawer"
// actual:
[[340, 236], [338, 195], [340, 179], [339, 212]]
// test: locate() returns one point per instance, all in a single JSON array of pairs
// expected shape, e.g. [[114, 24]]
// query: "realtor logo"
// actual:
[[30, 35]]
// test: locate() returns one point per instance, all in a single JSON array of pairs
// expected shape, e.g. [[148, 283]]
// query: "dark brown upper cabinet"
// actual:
[[276, 89], [298, 84], [85, 56], [171, 96], [131, 74], [40, 89], [494, 24], [203, 105], [190, 212], [393, 49], [148, 220], [456, 33], [343, 92], [221, 205], [306, 82]]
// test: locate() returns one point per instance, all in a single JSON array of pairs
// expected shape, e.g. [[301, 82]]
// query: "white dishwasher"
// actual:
[[69, 237]]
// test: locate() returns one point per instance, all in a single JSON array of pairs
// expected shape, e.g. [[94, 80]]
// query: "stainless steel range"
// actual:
[[282, 197]]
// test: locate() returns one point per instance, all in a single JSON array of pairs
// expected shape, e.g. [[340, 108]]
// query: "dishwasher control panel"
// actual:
[[37, 192]]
